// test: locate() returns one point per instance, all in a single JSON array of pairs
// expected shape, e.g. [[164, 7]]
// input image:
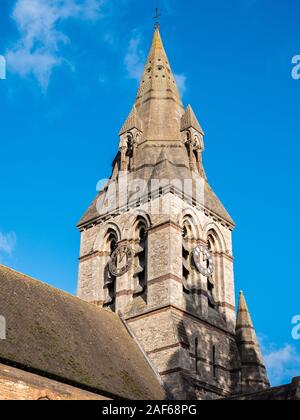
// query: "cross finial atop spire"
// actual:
[[157, 16]]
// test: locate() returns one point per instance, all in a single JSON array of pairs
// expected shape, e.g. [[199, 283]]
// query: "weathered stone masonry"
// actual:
[[185, 321]]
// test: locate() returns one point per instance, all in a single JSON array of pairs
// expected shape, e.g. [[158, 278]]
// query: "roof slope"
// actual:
[[66, 338], [254, 374], [280, 393], [168, 166], [189, 120], [133, 121]]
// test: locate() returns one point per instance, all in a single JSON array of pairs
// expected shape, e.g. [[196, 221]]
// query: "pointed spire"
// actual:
[[254, 375], [157, 43], [133, 121], [189, 120], [158, 101], [157, 73], [244, 318]]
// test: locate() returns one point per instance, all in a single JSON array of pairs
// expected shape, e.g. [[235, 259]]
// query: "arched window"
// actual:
[[109, 279], [141, 254], [186, 266], [188, 141], [211, 279], [129, 153], [196, 150], [196, 155]]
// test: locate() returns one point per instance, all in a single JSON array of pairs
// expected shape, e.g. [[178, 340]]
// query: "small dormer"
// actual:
[[130, 136], [192, 136]]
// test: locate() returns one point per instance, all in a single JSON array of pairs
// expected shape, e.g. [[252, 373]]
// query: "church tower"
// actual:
[[156, 247]]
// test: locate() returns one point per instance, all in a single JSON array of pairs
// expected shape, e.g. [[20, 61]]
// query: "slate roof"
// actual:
[[289, 392], [62, 337], [133, 121], [166, 169], [189, 120]]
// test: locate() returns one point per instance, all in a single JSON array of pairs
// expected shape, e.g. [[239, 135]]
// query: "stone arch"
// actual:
[[198, 142], [100, 240], [190, 217], [187, 138], [129, 140], [141, 218], [110, 244], [140, 235], [111, 235], [213, 230], [216, 283], [132, 220], [129, 152], [191, 233]]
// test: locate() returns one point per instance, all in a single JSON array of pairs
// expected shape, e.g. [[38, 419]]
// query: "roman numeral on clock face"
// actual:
[[202, 254]]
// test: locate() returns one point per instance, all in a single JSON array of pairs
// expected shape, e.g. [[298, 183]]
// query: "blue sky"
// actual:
[[72, 70]]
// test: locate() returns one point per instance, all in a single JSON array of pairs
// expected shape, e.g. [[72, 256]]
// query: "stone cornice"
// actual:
[[164, 225], [165, 308], [93, 255], [145, 199]]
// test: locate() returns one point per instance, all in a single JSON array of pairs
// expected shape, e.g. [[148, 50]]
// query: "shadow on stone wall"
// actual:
[[205, 364]]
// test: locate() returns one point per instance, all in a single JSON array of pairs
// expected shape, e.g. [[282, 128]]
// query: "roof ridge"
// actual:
[[50, 287], [133, 121], [189, 120]]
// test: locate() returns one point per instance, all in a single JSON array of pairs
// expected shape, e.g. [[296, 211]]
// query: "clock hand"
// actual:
[[122, 257]]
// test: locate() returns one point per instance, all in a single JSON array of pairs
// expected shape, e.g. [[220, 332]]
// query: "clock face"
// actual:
[[203, 260], [121, 261]]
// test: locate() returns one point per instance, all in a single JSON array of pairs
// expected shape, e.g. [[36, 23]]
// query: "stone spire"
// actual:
[[189, 120], [254, 375], [158, 101], [133, 121], [159, 139]]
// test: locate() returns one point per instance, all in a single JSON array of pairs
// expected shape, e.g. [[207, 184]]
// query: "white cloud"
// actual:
[[39, 22], [39, 63], [282, 363], [7, 242], [181, 83], [135, 59]]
